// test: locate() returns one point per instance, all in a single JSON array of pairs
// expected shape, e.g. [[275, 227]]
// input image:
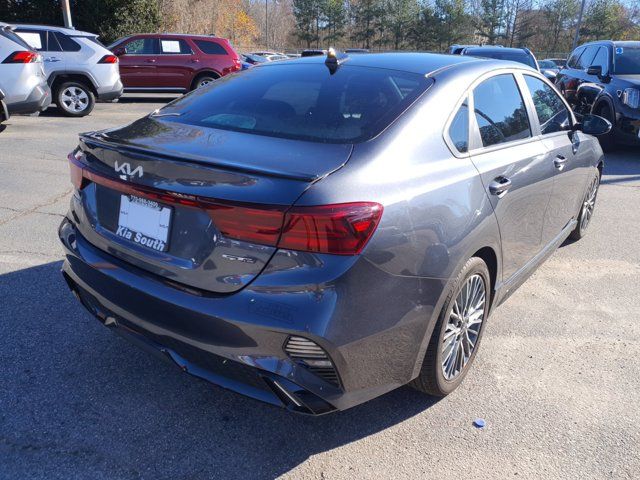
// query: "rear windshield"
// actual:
[[627, 60], [511, 56], [303, 101], [5, 32]]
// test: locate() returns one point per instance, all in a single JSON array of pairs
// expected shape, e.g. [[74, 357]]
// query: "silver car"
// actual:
[[22, 79], [317, 232], [79, 68]]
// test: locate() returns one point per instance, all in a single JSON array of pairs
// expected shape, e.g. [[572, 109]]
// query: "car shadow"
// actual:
[[89, 402]]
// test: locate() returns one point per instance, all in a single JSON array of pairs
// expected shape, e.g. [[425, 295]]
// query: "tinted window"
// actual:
[[67, 44], [552, 112], [303, 101], [459, 128], [601, 60], [575, 56], [174, 47], [520, 57], [142, 46], [627, 60], [210, 48], [500, 111]]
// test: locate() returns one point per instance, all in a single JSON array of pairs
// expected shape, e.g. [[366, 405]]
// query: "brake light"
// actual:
[[109, 59], [23, 56], [342, 229], [339, 229]]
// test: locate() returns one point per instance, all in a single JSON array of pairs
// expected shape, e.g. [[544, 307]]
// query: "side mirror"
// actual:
[[594, 125], [595, 70], [118, 52], [550, 74]]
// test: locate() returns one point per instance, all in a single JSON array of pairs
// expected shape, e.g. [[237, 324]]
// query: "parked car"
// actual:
[[22, 78], [457, 49], [558, 62], [603, 78], [271, 56], [78, 67], [173, 62], [549, 69], [313, 53], [253, 59], [285, 233], [520, 55], [351, 51]]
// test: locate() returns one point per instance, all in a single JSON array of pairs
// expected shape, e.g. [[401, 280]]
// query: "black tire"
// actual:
[[74, 99], [586, 209], [607, 142], [203, 79], [431, 379]]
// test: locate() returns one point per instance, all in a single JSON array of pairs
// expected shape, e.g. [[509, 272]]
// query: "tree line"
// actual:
[[431, 25]]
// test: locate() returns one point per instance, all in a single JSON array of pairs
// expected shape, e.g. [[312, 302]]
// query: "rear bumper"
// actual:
[[37, 101], [236, 340], [111, 93]]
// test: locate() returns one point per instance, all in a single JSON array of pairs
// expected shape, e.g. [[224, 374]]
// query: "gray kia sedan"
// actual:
[[317, 232]]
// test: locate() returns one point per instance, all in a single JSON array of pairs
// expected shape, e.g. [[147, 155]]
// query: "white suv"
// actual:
[[79, 68], [22, 80]]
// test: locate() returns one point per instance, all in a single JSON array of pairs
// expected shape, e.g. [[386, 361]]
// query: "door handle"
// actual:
[[560, 161], [499, 186], [150, 60], [51, 59]]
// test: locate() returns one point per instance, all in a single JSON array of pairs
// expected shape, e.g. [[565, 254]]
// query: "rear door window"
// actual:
[[66, 43], [210, 47], [552, 113], [174, 47], [499, 111], [303, 101]]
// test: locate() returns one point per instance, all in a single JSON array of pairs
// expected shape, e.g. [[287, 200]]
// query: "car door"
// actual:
[[552, 120], [513, 167], [175, 64], [138, 57]]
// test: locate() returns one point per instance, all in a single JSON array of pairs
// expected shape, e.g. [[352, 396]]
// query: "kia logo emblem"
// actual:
[[125, 170]]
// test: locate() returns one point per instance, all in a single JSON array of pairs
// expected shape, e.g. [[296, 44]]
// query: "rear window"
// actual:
[[67, 44], [520, 57], [302, 101], [210, 48]]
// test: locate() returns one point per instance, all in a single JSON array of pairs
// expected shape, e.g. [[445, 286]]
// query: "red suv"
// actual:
[[173, 63]]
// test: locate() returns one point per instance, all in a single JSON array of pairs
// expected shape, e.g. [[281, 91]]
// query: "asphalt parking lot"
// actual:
[[557, 378]]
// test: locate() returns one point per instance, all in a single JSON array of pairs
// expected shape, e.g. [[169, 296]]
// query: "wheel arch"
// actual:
[[56, 78], [202, 73]]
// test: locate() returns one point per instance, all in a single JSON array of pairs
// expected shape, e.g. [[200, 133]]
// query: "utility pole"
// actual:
[[66, 13], [577, 36], [266, 24]]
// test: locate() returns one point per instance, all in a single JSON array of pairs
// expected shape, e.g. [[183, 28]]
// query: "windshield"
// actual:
[[303, 101], [627, 60], [520, 57], [547, 64]]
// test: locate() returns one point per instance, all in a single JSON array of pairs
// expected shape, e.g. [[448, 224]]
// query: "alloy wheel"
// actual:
[[589, 204], [463, 327], [74, 99], [205, 81]]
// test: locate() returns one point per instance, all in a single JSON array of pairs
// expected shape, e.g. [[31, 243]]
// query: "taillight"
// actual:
[[342, 229], [339, 229], [22, 57], [109, 59]]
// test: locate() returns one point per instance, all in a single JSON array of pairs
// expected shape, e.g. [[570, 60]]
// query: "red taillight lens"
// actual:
[[342, 229], [339, 229], [76, 171], [109, 59], [21, 57]]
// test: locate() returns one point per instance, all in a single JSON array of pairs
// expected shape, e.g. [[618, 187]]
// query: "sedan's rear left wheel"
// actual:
[[456, 337]]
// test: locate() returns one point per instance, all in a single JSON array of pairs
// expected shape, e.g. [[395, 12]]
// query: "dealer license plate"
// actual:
[[144, 222]]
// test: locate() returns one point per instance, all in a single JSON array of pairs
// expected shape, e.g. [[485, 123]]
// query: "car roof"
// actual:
[[617, 43], [68, 31], [174, 35], [421, 63]]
